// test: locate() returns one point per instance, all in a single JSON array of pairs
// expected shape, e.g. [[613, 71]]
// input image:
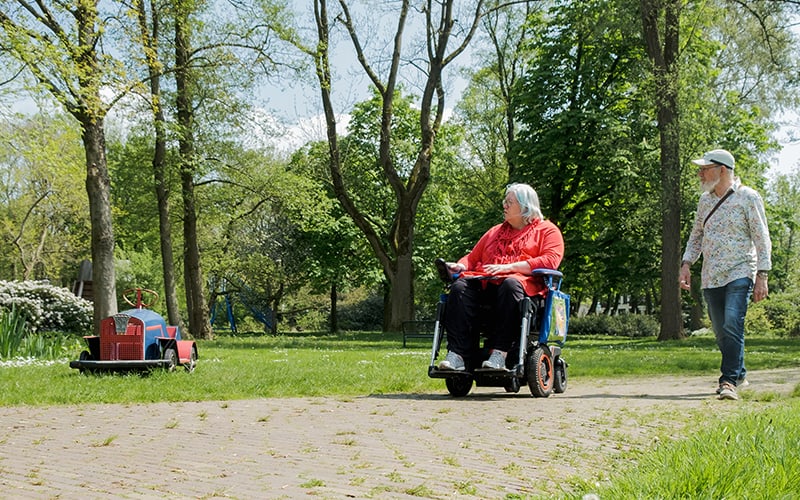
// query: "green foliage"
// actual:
[[44, 222], [47, 307], [757, 322], [13, 330], [781, 202], [584, 145], [779, 316], [622, 325], [139, 269], [17, 341]]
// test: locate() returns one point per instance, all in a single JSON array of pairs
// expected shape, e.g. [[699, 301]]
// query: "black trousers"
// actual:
[[475, 305]]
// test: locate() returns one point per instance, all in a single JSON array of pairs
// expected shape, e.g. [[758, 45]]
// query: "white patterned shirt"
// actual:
[[734, 242]]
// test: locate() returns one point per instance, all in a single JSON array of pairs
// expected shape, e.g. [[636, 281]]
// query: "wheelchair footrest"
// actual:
[[517, 371], [492, 370], [434, 372]]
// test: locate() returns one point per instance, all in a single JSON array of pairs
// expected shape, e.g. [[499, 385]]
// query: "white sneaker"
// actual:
[[741, 383], [727, 391], [452, 362], [496, 361]]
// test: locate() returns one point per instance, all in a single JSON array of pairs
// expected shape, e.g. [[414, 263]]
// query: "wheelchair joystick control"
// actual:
[[443, 270]]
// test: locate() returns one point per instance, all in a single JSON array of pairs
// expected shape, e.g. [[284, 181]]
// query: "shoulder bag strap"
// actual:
[[721, 200]]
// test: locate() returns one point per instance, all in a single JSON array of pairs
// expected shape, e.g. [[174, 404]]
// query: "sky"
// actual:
[[787, 160]]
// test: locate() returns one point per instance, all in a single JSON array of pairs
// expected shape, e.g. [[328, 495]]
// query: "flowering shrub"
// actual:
[[47, 307]]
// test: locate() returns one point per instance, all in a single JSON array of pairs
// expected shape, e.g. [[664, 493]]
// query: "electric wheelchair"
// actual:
[[535, 358]]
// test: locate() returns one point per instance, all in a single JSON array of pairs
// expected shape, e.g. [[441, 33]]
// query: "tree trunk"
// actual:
[[401, 294], [150, 44], [665, 67], [199, 325], [98, 188], [594, 304], [334, 323], [165, 226]]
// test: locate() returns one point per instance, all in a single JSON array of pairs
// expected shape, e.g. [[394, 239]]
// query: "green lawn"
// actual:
[[352, 364]]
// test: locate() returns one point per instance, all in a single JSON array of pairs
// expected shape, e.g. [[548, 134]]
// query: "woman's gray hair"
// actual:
[[528, 201]]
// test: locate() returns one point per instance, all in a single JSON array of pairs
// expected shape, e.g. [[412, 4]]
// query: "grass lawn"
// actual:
[[351, 364]]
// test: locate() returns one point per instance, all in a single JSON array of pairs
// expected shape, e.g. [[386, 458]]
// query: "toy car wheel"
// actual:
[[85, 356], [560, 380], [172, 359], [192, 361], [540, 372], [459, 386], [513, 385]]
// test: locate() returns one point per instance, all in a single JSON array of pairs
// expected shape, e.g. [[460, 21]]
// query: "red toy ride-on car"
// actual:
[[136, 339]]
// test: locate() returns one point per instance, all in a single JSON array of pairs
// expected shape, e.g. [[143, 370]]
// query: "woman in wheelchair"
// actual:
[[495, 277]]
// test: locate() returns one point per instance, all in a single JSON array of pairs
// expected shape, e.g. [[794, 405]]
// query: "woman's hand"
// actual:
[[521, 267], [498, 268], [455, 267]]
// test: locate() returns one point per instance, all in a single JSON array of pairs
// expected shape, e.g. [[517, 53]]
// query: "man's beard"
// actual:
[[708, 186]]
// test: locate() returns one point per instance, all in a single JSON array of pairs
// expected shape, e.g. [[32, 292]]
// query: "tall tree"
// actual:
[[60, 45], [338, 260], [507, 31], [408, 185], [199, 324], [661, 27], [149, 21]]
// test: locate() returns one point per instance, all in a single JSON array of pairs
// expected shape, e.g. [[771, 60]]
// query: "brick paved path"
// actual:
[[487, 445]]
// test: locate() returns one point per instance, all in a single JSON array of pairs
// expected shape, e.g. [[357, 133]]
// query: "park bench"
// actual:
[[418, 330]]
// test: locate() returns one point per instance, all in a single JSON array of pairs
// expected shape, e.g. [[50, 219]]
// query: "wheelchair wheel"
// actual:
[[458, 386], [540, 372], [560, 380]]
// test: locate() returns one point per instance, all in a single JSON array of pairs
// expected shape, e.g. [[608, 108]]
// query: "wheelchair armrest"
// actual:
[[552, 278], [547, 272]]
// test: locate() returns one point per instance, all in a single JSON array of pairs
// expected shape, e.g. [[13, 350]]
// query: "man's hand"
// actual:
[[685, 277], [760, 289]]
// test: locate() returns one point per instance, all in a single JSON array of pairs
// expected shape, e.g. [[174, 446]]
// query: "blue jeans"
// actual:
[[727, 307]]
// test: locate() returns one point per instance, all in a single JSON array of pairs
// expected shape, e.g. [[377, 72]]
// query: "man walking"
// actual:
[[730, 231]]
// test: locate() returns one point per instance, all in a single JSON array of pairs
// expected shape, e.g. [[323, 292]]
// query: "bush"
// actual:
[[781, 313], [47, 307], [757, 322], [624, 325], [363, 314]]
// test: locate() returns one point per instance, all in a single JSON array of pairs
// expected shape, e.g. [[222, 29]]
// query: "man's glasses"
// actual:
[[709, 167]]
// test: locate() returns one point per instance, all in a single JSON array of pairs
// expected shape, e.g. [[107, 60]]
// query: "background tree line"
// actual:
[[159, 123]]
